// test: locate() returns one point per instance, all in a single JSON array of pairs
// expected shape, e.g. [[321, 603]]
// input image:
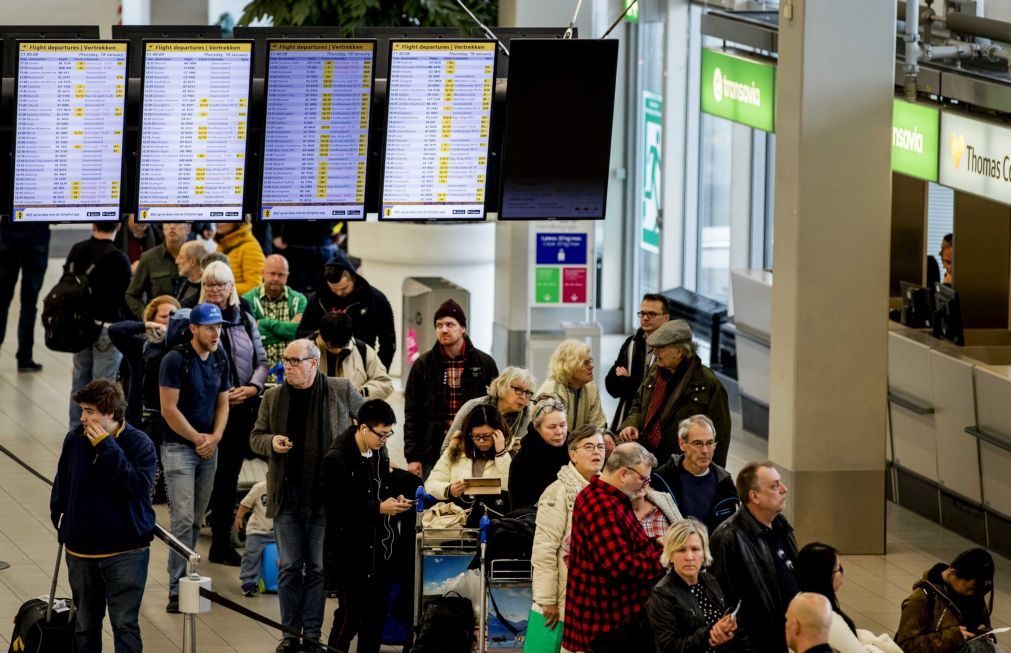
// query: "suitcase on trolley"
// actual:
[[45, 624]]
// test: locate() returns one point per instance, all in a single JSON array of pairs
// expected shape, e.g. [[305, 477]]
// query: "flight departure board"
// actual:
[[437, 132], [315, 144], [194, 119], [68, 142]]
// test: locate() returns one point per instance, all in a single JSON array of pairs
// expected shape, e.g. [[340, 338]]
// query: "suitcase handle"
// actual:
[[52, 588]]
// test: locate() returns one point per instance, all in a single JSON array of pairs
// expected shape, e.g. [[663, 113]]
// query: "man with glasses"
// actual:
[[634, 357], [297, 422], [676, 387], [613, 564], [360, 527], [701, 488], [193, 386]]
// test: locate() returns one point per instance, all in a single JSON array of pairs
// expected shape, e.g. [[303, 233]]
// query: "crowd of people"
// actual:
[[643, 540]]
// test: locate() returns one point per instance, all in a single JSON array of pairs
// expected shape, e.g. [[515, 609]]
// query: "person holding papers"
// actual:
[[479, 450]]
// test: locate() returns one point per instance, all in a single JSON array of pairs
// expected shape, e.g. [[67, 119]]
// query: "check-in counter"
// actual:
[[950, 431], [752, 293]]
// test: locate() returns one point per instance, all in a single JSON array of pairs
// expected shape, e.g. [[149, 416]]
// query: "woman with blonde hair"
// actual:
[[686, 609], [510, 392], [570, 381]]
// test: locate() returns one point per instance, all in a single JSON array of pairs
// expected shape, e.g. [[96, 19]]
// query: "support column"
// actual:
[[830, 295]]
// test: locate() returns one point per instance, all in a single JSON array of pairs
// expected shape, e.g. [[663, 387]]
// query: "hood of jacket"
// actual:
[[665, 503], [572, 481], [235, 238]]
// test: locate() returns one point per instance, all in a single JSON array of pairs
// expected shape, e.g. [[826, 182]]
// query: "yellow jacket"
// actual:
[[245, 257]]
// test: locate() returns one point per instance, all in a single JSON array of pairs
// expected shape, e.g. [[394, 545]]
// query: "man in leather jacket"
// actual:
[[754, 553]]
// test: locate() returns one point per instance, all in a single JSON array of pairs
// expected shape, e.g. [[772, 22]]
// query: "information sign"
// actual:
[[739, 88], [562, 252]]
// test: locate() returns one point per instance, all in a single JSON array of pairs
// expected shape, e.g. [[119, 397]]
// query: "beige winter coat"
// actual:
[[554, 526]]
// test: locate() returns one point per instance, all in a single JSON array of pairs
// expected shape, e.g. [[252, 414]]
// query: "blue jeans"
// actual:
[[99, 361], [31, 261], [189, 479], [249, 572], [117, 581], [300, 587]]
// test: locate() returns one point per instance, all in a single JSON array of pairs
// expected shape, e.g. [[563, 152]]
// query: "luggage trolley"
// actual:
[[515, 575], [459, 542]]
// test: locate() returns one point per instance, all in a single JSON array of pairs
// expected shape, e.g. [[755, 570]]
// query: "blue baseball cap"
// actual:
[[206, 315]]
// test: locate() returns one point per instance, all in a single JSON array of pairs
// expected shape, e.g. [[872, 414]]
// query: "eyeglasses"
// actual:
[[839, 570], [644, 480], [549, 405], [649, 315], [590, 447], [588, 363], [216, 286], [521, 392], [381, 436], [477, 437], [707, 444], [292, 362]]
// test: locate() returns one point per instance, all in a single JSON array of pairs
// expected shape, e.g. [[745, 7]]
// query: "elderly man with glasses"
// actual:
[[613, 563], [297, 423], [676, 387], [701, 488]]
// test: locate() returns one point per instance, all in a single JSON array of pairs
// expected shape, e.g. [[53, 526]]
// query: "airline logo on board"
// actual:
[[724, 87]]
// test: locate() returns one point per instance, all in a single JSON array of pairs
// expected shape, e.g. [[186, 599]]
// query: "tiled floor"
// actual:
[[33, 423]]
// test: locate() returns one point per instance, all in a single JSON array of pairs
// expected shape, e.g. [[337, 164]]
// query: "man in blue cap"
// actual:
[[193, 384]]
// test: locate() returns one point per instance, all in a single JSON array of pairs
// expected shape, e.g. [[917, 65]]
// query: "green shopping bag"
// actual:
[[541, 639]]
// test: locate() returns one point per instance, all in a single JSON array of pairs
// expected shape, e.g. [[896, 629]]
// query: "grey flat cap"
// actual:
[[671, 333]]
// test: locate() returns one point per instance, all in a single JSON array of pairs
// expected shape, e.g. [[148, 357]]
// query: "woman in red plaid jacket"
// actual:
[[613, 564]]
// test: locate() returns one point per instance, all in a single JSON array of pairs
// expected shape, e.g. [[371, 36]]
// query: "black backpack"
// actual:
[[446, 626], [511, 536], [67, 316]]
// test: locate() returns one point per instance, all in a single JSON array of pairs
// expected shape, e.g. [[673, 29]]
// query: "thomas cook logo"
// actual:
[[957, 143], [718, 85]]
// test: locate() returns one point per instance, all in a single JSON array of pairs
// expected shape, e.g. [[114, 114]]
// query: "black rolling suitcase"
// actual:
[[45, 624]]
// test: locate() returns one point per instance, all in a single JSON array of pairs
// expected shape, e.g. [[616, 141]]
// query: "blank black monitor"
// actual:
[[137, 34], [382, 35], [917, 305], [11, 34], [259, 36], [557, 145], [507, 34], [947, 321], [70, 99]]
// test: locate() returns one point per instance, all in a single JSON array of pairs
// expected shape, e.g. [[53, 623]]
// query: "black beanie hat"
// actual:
[[451, 309]]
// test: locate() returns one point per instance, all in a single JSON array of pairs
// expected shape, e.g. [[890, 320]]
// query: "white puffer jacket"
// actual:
[[554, 526]]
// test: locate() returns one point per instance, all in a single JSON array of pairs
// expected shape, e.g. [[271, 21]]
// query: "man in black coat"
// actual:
[[634, 357], [441, 381], [346, 291], [754, 553], [701, 488], [361, 527]]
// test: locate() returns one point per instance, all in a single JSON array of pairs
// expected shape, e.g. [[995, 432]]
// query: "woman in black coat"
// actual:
[[686, 609], [542, 453]]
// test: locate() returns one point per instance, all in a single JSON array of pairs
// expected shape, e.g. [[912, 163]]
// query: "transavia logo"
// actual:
[[910, 140], [724, 87], [957, 149]]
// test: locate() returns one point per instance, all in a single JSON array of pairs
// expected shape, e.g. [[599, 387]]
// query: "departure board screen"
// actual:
[[315, 144], [68, 142], [194, 118], [439, 118]]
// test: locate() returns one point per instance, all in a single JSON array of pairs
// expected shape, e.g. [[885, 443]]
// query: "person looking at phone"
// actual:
[[362, 519], [686, 608], [297, 422], [479, 450]]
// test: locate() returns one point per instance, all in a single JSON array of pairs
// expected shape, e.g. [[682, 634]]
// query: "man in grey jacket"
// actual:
[[297, 421]]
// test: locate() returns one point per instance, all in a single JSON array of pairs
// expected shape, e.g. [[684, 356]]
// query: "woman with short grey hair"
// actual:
[[510, 392]]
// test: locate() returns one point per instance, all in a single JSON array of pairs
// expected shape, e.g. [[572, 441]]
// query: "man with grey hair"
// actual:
[[808, 622], [676, 387], [297, 421], [701, 488], [613, 564]]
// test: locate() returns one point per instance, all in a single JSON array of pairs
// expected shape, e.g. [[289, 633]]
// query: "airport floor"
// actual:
[[33, 421]]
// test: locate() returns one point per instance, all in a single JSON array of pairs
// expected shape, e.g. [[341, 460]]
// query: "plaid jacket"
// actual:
[[613, 566]]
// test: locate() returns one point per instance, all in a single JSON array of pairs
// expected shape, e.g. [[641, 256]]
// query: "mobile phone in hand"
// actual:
[[732, 613]]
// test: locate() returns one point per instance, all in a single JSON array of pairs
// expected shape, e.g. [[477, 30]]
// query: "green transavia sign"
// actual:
[[739, 88], [915, 140]]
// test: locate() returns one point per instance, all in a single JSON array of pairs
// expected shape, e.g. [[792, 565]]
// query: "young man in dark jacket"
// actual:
[[101, 507], [347, 292], [442, 379], [634, 357], [701, 488], [361, 526]]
